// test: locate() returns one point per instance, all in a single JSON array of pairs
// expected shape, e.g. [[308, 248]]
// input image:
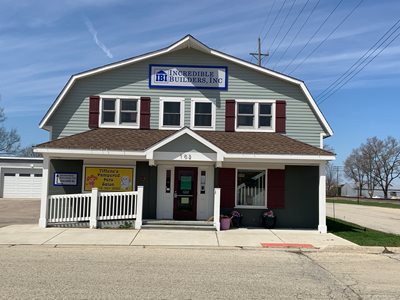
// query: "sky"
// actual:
[[43, 43]]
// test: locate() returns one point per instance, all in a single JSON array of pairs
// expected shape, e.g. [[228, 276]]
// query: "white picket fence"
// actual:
[[96, 206]]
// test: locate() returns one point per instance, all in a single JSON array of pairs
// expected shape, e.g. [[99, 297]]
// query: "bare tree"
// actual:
[[353, 169], [368, 154], [9, 139], [386, 161], [28, 152], [331, 180]]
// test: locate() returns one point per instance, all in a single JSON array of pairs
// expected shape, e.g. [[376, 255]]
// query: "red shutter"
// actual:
[[276, 189], [230, 115], [94, 110], [226, 181], [280, 125], [145, 113]]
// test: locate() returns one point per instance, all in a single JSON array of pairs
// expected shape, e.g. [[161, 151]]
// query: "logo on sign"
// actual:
[[188, 77]]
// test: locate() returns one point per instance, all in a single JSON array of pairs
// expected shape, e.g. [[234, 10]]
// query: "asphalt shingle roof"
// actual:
[[140, 140]]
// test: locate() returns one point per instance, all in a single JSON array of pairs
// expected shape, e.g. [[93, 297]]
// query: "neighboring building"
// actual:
[[20, 177], [351, 190], [182, 121]]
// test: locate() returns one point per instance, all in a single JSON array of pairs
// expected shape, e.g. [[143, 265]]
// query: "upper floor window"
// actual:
[[203, 114], [119, 111], [255, 115], [171, 113]]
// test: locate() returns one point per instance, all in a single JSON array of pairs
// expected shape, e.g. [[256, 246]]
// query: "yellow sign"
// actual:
[[109, 179]]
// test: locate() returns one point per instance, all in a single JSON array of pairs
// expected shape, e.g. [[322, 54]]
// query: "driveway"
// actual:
[[378, 218], [19, 211]]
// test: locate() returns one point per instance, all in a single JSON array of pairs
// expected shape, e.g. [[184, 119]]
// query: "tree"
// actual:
[[331, 180], [375, 163], [353, 169], [28, 152], [9, 139], [386, 161]]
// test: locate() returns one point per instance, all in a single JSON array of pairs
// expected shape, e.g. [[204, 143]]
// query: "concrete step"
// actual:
[[174, 224]]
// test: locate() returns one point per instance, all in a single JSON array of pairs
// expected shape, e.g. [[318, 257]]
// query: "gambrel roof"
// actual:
[[188, 42]]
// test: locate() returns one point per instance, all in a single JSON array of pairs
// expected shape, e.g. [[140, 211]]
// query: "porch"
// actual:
[[91, 209]]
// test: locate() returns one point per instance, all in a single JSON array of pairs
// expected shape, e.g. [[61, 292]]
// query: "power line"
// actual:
[[290, 28], [298, 32], [267, 19], [283, 23], [315, 33], [376, 55], [273, 23], [349, 70], [328, 36]]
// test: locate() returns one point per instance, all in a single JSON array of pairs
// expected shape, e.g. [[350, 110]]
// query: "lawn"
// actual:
[[360, 235], [364, 202]]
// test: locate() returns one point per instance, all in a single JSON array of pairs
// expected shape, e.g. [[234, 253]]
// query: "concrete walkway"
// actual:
[[378, 218], [33, 235]]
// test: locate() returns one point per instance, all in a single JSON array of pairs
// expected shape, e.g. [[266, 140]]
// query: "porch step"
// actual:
[[174, 224]]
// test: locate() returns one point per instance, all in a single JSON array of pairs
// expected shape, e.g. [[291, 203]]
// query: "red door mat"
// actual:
[[286, 245]]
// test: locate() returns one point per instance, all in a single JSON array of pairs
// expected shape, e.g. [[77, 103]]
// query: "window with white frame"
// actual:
[[171, 113], [255, 115], [203, 114], [118, 111], [251, 188]]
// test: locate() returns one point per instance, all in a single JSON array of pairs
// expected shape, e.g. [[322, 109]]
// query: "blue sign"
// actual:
[[188, 77]]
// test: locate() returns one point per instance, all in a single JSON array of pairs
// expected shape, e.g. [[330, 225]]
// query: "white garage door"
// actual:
[[22, 185]]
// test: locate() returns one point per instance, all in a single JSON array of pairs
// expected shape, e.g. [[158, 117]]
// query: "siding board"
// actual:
[[72, 115]]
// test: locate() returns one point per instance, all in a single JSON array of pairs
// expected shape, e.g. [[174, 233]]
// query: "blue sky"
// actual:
[[42, 43]]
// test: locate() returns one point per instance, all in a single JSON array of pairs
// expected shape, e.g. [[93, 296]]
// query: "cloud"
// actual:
[[93, 32]]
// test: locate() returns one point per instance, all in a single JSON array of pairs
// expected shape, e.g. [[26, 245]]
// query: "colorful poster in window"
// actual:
[[109, 179]]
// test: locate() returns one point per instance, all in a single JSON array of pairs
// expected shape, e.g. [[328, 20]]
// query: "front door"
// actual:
[[185, 192]]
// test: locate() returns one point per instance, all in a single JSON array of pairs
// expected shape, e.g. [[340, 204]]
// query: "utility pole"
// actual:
[[259, 56]]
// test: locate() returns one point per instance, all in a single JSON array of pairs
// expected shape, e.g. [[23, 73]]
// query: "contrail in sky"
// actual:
[[93, 32]]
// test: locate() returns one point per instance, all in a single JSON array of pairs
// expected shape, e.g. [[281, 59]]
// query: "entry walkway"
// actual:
[[33, 235]]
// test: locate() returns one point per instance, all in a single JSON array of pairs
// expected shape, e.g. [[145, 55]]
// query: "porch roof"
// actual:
[[118, 139]]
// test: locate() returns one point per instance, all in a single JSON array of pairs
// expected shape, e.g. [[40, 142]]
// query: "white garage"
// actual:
[[20, 177]]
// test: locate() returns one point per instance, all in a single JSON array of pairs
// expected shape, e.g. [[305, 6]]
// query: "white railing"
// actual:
[[69, 208], [96, 206], [114, 206]]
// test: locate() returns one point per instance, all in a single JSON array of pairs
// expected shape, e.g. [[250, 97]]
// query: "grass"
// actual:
[[360, 235], [364, 202]]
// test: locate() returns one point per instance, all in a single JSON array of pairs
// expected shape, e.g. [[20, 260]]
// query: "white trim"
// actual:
[[322, 228], [116, 123], [150, 151], [161, 113], [20, 158], [192, 113], [94, 153], [187, 41], [285, 157], [45, 191], [256, 115], [265, 184]]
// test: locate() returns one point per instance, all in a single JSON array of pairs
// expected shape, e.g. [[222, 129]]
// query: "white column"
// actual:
[[93, 208], [217, 201], [322, 199], [45, 192], [139, 208]]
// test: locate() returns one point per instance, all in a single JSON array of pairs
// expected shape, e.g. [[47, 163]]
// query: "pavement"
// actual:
[[242, 237], [19, 211], [378, 218]]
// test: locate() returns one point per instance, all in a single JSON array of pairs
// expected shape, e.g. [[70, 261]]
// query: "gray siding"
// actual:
[[72, 115], [301, 201]]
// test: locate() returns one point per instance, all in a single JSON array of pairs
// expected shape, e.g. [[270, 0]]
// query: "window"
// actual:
[[120, 112], [203, 114], [171, 113], [257, 115], [250, 188]]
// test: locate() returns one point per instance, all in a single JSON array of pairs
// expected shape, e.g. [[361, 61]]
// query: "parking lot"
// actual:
[[19, 211]]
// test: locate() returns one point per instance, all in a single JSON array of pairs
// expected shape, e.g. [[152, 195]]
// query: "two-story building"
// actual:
[[182, 121]]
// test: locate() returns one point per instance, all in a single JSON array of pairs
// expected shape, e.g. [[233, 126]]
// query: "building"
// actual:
[[188, 122], [20, 177]]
